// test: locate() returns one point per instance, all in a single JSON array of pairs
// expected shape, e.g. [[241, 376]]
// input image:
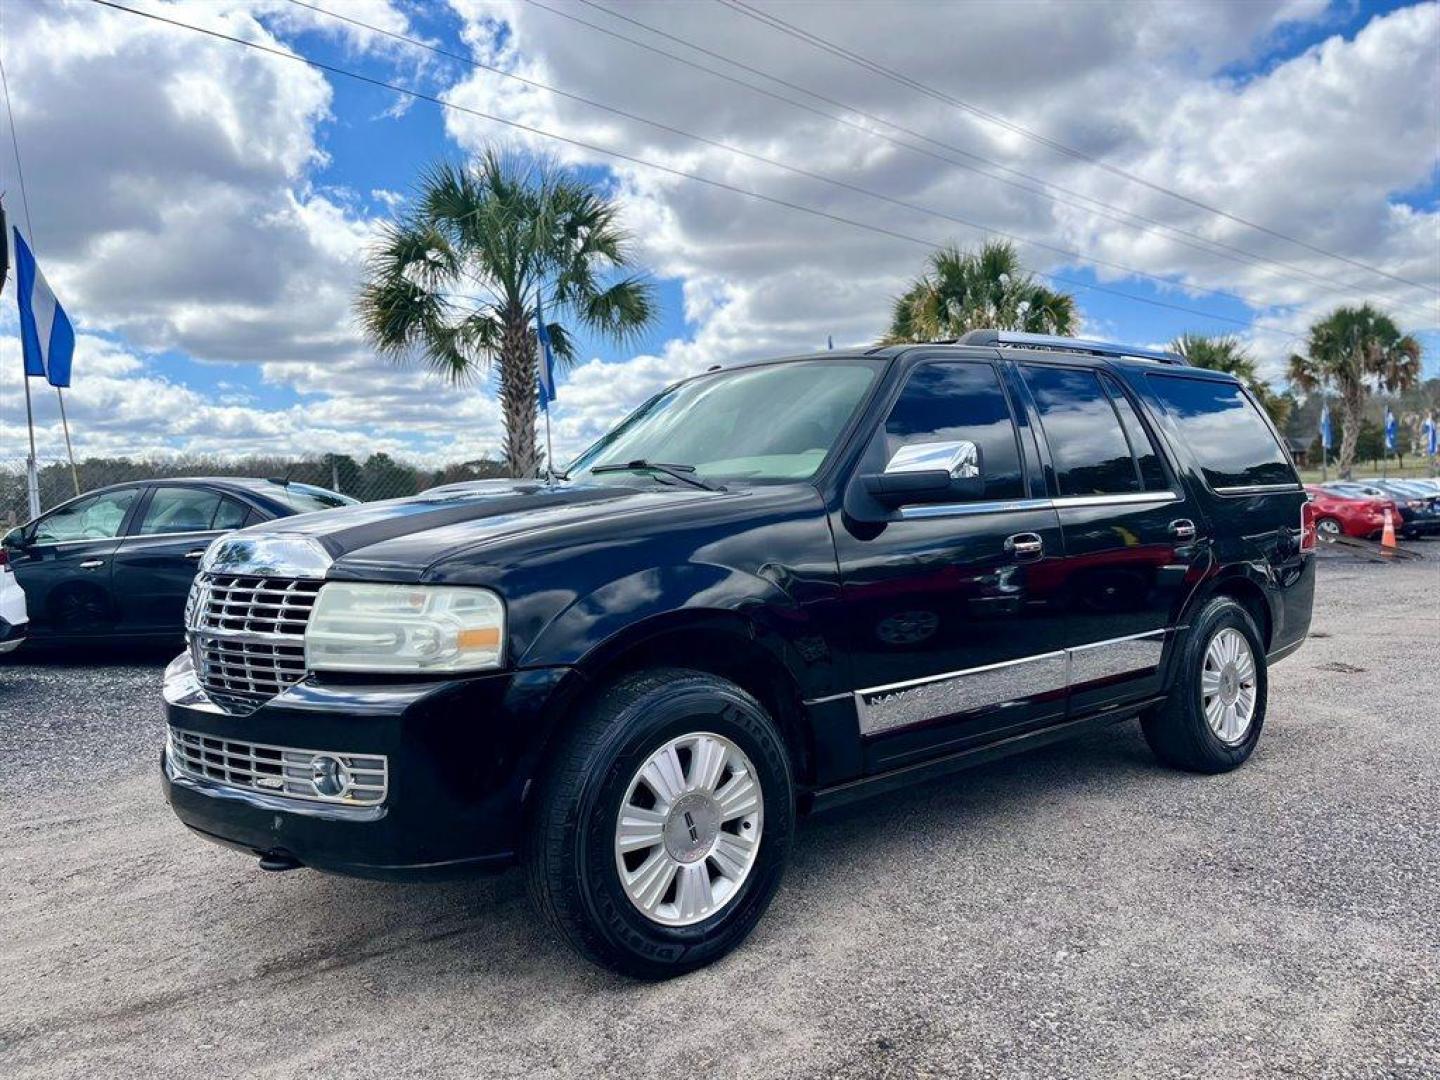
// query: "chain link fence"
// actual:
[[377, 477]]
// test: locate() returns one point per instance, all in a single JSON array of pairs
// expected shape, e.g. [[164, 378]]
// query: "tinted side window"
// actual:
[[230, 515], [1087, 445], [1225, 432], [1152, 473], [945, 402], [96, 518], [179, 510]]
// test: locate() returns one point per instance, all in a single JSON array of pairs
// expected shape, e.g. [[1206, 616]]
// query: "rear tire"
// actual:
[[1212, 719], [577, 846], [1330, 526]]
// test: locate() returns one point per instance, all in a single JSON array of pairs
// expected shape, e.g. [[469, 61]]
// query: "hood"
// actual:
[[400, 538]]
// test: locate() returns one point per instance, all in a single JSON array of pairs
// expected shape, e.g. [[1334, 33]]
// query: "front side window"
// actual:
[[1088, 447], [179, 510], [97, 518], [952, 401], [776, 422], [1229, 438]]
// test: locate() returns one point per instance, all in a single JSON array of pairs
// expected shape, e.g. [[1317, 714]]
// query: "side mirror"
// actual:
[[15, 538], [928, 473]]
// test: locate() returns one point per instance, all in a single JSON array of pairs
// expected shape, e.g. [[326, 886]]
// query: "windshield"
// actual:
[[776, 422], [305, 498]]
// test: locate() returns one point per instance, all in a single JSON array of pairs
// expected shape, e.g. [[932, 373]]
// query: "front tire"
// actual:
[[661, 830], [1212, 719]]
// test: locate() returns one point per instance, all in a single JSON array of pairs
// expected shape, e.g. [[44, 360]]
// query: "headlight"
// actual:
[[404, 628]]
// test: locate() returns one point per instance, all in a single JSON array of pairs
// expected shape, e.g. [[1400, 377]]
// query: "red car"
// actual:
[[1337, 515]]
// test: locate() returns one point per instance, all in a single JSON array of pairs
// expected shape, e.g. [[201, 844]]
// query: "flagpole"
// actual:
[[549, 452], [32, 478], [65, 423]]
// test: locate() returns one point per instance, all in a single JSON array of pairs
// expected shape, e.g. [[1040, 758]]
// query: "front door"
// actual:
[[64, 564], [951, 633], [1134, 540]]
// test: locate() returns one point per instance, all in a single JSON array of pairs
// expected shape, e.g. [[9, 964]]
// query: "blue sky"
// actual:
[[1314, 119]]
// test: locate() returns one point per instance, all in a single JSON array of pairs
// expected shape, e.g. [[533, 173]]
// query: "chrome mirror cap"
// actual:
[[960, 459]]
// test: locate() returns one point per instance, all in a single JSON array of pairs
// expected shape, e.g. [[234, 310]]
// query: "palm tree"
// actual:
[[973, 290], [519, 236], [1349, 351], [1228, 354]]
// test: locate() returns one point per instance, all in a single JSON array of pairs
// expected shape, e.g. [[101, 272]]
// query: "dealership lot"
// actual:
[[1073, 912]]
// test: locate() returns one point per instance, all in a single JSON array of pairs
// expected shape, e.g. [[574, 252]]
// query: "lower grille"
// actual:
[[316, 775]]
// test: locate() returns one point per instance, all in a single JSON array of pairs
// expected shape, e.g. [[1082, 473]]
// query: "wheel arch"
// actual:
[[1250, 594], [725, 644]]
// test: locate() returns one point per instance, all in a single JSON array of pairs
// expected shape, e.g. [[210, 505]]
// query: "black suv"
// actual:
[[772, 589]]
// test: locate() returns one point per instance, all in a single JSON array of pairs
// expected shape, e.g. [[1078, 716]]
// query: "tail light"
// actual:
[[1309, 536], [4, 558]]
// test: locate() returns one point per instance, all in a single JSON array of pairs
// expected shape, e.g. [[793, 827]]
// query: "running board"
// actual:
[[840, 795]]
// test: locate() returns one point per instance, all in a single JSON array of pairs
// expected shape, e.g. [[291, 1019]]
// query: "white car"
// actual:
[[14, 622]]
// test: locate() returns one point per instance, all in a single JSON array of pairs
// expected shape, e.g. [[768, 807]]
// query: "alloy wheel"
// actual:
[[1228, 686], [688, 830]]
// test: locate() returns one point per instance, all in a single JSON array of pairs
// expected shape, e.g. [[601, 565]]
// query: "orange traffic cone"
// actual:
[[1387, 538]]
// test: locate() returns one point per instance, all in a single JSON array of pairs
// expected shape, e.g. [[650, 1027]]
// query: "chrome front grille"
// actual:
[[318, 775], [247, 634]]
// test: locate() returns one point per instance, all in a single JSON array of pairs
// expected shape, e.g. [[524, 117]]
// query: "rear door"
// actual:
[[950, 625], [1136, 544], [65, 564], [156, 562]]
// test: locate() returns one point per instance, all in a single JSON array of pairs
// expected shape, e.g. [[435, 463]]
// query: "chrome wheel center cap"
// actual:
[[692, 827], [1229, 685]]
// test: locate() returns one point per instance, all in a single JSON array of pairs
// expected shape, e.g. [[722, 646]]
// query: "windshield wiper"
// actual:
[[678, 472]]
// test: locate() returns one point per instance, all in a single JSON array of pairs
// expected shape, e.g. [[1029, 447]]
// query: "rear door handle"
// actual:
[[195, 554], [1183, 528], [91, 564], [1025, 545]]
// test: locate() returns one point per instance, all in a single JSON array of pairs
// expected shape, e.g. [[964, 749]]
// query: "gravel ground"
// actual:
[[1078, 911]]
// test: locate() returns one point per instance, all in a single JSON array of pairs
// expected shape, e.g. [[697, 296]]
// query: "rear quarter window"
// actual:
[[1230, 440]]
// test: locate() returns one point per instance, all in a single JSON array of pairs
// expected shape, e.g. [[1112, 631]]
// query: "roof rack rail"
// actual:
[[1015, 339]]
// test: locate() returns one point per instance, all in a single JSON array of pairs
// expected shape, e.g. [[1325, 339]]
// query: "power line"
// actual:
[[1059, 147], [1131, 219], [418, 95], [796, 170]]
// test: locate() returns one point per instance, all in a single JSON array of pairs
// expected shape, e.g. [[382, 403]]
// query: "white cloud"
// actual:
[[173, 182]]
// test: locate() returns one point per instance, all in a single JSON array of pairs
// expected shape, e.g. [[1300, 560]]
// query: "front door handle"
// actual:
[[195, 554], [1183, 529], [91, 564], [1025, 545]]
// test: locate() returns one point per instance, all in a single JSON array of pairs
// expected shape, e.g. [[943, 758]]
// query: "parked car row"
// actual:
[[119, 561], [1358, 507]]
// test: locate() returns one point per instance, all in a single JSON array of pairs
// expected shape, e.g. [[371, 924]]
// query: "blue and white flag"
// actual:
[[547, 358], [1431, 431], [1390, 430], [46, 336], [1327, 433]]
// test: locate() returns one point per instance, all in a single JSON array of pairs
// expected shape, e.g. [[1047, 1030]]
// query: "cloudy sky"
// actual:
[[202, 209]]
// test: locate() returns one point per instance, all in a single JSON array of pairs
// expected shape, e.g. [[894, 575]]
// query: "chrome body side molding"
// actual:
[[1129, 498], [883, 709]]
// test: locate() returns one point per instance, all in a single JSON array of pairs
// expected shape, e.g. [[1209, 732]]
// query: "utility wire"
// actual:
[[320, 65], [30, 228], [1059, 147], [988, 230], [1131, 219]]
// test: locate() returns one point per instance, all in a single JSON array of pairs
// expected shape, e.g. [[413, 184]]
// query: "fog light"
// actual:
[[329, 775]]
